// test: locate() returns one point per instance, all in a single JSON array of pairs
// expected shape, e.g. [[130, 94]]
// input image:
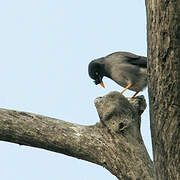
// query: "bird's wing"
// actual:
[[133, 59], [140, 61], [130, 58]]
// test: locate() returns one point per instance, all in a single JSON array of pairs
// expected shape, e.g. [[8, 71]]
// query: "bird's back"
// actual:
[[127, 57], [127, 68]]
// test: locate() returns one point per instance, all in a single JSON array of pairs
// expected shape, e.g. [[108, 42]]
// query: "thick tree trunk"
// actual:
[[164, 85], [114, 143]]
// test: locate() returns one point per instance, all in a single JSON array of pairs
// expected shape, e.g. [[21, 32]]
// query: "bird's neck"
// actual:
[[106, 71]]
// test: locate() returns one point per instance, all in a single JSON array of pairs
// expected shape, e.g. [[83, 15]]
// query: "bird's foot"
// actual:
[[132, 98]]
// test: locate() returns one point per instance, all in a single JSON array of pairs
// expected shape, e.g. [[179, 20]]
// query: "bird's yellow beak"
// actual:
[[102, 84]]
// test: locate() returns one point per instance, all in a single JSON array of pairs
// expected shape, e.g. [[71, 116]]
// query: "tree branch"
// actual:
[[114, 143]]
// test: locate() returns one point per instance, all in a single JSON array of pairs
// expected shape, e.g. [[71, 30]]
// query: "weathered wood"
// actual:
[[114, 143], [164, 85]]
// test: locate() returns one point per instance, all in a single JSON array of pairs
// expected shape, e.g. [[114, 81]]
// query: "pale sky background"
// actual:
[[45, 49]]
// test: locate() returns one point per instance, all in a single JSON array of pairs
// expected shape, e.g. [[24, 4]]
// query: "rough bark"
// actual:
[[164, 85], [114, 143]]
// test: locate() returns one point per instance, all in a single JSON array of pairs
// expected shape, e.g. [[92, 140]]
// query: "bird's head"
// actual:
[[96, 70]]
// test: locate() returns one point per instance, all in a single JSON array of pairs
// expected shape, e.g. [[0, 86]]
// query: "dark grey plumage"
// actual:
[[126, 69]]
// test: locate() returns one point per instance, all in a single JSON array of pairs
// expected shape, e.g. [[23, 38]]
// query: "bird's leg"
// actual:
[[134, 95], [127, 87]]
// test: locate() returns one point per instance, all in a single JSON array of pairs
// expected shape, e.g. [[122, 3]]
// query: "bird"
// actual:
[[126, 69]]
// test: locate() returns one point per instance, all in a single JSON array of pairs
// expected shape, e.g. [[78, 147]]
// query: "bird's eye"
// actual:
[[97, 73]]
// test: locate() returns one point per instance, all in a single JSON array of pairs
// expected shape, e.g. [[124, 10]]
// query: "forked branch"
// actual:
[[114, 143]]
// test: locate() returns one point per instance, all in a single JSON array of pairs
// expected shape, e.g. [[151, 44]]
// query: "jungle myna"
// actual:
[[126, 69]]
